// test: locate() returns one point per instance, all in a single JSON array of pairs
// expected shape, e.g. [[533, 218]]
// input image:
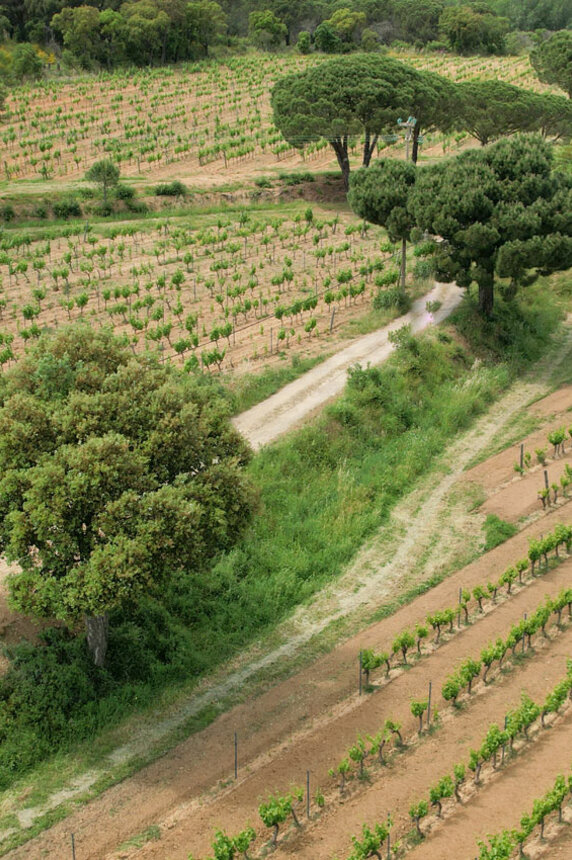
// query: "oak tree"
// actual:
[[116, 472]]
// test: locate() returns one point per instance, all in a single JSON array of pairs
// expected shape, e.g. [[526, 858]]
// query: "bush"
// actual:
[[304, 43], [104, 210], [423, 270], [296, 178], [7, 213], [67, 208], [171, 189], [124, 192], [437, 46], [393, 298]]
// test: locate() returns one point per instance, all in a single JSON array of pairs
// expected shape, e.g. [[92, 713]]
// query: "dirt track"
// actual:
[[294, 403]]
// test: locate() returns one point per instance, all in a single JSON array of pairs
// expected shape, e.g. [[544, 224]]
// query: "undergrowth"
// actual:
[[323, 491]]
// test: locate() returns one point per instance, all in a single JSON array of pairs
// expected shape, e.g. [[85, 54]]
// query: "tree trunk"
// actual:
[[415, 147], [340, 146], [368, 148], [403, 262], [97, 628], [486, 296]]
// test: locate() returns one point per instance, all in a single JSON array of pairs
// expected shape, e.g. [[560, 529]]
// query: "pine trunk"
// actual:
[[97, 628], [486, 295]]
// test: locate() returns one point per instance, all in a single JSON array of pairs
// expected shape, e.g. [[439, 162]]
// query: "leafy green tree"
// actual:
[[80, 30], [350, 96], [536, 14], [26, 64], [471, 31], [500, 211], [304, 43], [144, 31], [104, 173], [116, 472], [206, 23], [418, 20], [552, 61], [326, 39], [266, 30], [347, 25], [492, 109]]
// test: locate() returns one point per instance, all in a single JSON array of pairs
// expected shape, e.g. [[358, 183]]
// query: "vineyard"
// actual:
[[240, 287], [395, 765], [179, 121], [435, 733]]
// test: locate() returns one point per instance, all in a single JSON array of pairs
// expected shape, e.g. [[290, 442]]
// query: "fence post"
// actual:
[[360, 671], [522, 455], [307, 794], [235, 755], [73, 846], [429, 705]]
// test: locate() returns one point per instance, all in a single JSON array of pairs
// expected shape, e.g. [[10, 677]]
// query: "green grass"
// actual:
[[497, 531], [151, 833], [249, 389]]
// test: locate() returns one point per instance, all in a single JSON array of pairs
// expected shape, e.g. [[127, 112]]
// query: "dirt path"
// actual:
[[286, 409], [401, 553]]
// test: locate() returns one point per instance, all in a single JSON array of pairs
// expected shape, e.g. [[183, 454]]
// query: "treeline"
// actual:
[[107, 33]]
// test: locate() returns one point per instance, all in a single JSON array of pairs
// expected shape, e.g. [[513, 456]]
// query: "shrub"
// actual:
[[171, 189], [393, 298], [497, 531], [67, 208], [124, 192], [304, 42], [7, 212]]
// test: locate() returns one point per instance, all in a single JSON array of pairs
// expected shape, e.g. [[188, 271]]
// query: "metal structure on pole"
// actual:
[[408, 125]]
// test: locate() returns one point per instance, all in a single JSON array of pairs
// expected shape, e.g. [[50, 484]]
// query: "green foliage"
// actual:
[[492, 224], [497, 531], [266, 30], [104, 173], [385, 431], [171, 189], [354, 95], [552, 61], [66, 208], [370, 843], [470, 29], [304, 42], [132, 502]]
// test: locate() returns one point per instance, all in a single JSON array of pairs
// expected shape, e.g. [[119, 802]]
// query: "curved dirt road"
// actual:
[[275, 416]]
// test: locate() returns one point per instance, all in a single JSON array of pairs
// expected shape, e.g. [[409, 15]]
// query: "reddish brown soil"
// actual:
[[501, 803]]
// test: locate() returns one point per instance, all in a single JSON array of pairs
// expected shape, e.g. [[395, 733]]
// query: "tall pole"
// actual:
[[409, 125]]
